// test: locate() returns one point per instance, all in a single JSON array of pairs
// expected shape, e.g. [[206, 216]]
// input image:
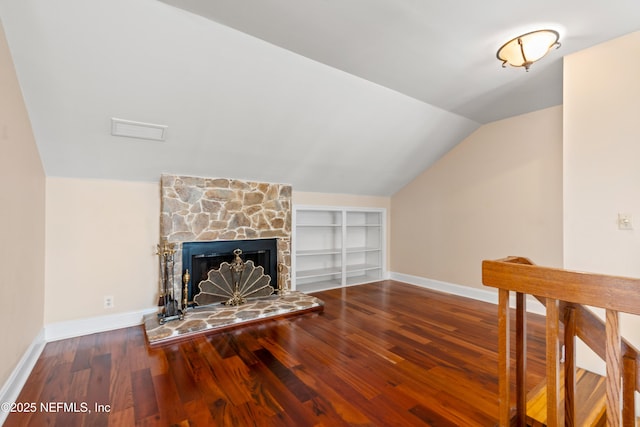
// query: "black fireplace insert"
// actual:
[[201, 257]]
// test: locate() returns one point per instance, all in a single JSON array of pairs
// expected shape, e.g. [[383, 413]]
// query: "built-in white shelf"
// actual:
[[371, 249], [362, 267], [319, 272], [337, 246], [313, 252]]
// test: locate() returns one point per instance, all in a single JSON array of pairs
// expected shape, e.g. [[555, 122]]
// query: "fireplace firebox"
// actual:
[[201, 257]]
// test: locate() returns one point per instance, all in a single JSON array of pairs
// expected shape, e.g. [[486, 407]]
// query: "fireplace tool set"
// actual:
[[169, 306]]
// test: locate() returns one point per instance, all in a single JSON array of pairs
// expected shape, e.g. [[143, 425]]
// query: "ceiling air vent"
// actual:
[[120, 127]]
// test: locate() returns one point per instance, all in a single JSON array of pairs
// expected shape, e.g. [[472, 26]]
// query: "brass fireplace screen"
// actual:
[[233, 283]]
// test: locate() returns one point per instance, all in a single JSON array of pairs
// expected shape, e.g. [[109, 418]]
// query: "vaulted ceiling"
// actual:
[[354, 96]]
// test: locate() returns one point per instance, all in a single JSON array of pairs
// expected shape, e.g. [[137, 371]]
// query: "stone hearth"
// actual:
[[219, 317]]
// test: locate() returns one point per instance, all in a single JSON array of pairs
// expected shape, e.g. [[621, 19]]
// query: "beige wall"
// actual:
[[497, 193], [602, 157], [22, 198], [348, 200], [601, 166], [101, 240]]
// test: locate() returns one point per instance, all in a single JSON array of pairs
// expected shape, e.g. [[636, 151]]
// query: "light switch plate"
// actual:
[[624, 221]]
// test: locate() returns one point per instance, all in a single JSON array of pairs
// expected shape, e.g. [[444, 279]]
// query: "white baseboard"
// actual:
[[486, 295], [12, 387], [75, 328]]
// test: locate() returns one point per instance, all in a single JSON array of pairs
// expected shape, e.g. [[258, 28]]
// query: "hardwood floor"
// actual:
[[383, 354]]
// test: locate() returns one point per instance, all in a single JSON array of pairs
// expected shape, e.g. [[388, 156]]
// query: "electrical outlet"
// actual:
[[108, 302]]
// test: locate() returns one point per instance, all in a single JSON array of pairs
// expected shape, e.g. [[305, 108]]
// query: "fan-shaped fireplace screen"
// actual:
[[233, 283]]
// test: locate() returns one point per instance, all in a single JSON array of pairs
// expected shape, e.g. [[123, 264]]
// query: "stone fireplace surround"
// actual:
[[207, 209], [214, 209]]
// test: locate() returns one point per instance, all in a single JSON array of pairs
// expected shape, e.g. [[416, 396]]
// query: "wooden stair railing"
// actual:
[[565, 292]]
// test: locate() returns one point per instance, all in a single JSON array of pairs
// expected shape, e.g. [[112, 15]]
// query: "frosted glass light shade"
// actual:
[[526, 49]]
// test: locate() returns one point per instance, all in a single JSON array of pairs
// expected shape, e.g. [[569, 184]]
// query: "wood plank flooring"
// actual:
[[382, 354]]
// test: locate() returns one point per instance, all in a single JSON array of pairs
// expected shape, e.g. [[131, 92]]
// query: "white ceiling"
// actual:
[[355, 96]]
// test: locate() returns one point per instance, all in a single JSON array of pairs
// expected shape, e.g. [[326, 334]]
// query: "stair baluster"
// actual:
[[569, 367], [568, 293]]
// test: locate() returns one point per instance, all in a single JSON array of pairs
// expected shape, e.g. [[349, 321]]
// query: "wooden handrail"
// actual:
[[589, 327], [563, 291], [520, 275]]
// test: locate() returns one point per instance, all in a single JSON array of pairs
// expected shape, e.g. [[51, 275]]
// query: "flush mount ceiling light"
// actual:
[[528, 48]]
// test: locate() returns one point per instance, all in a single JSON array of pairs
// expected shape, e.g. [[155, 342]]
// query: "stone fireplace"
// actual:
[[206, 218], [198, 210]]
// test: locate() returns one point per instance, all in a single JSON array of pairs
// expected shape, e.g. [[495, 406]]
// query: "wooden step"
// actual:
[[590, 401]]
